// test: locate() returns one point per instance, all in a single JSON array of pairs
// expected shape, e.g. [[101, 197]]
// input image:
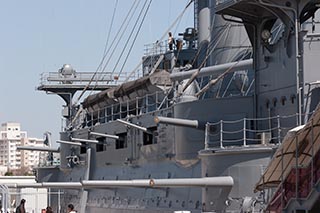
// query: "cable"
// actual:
[[93, 76], [177, 19], [162, 37], [119, 39], [122, 25], [127, 42], [112, 20], [125, 61], [195, 74]]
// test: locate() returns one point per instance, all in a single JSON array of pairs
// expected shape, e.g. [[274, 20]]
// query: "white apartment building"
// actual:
[[11, 136]]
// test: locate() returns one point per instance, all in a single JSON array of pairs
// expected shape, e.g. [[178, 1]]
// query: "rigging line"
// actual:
[[176, 29], [195, 74], [133, 7], [242, 57], [175, 22], [215, 42], [111, 24], [198, 51], [178, 54], [179, 50], [214, 81], [208, 52], [157, 44], [93, 76], [210, 49], [121, 36], [127, 42], [118, 32], [232, 79], [135, 38]]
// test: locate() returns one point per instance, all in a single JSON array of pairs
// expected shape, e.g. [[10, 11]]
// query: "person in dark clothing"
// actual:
[[21, 208], [49, 209], [71, 209]]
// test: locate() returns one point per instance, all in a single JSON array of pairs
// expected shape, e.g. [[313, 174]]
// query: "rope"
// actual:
[[135, 38], [195, 74], [131, 33], [157, 44], [101, 63], [214, 81], [110, 28], [125, 21]]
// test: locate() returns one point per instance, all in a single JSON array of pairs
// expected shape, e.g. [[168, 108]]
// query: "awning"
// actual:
[[303, 142], [129, 90]]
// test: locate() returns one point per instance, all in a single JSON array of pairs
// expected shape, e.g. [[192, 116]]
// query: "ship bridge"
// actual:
[[254, 11], [68, 80]]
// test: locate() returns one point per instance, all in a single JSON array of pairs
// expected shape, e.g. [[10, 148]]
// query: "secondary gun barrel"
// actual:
[[84, 140], [223, 181], [133, 125], [214, 70], [40, 149], [179, 122]]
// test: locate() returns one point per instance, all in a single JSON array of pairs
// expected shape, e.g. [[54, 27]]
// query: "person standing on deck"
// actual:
[[170, 41]]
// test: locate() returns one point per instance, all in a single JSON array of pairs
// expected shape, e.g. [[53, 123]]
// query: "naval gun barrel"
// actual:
[[221, 182], [214, 70], [179, 122], [40, 149]]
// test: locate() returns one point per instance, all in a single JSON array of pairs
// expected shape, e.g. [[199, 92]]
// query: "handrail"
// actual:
[[228, 132], [308, 177], [53, 78], [237, 132], [161, 47], [146, 104]]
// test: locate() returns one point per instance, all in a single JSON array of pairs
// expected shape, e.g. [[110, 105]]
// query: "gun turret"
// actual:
[[180, 122]]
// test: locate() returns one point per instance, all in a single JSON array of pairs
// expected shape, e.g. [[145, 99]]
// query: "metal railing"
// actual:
[[156, 48], [5, 201], [83, 78], [140, 105], [298, 184], [162, 47], [248, 131]]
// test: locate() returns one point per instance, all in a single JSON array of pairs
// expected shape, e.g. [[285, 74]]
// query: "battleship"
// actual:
[[227, 121]]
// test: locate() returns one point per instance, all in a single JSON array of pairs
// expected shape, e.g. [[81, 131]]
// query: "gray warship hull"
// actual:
[[175, 155], [193, 139]]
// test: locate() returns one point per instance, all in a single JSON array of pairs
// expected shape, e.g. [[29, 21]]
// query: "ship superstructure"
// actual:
[[197, 130]]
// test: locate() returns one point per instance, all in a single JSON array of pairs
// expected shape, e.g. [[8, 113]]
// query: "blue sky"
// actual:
[[40, 36]]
